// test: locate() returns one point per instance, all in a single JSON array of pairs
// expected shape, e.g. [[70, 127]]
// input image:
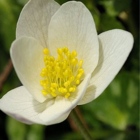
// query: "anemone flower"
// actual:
[[61, 61]]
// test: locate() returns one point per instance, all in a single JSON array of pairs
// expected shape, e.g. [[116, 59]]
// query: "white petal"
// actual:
[[115, 46], [19, 104], [61, 108], [27, 57], [35, 18], [73, 26]]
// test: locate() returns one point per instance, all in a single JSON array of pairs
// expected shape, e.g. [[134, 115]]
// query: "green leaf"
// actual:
[[22, 1], [95, 134], [118, 136], [36, 132], [8, 11], [15, 129], [109, 7], [122, 5], [115, 7], [108, 23]]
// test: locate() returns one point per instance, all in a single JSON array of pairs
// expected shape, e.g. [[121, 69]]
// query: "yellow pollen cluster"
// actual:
[[61, 75]]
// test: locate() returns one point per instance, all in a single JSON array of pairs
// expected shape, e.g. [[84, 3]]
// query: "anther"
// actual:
[[74, 53], [74, 61], [59, 51], [46, 51], [44, 92], [80, 63]]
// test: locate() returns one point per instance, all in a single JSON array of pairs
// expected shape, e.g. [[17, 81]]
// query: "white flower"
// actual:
[[44, 24]]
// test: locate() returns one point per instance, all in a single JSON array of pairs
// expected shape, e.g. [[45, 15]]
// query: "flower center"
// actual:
[[62, 75]]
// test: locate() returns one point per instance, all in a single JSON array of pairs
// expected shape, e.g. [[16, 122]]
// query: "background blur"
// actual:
[[112, 116]]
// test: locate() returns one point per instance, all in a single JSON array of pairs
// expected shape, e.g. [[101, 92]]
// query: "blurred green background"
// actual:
[[112, 116]]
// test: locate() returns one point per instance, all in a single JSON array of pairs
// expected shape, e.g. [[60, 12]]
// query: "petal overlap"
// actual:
[[27, 57], [73, 26], [35, 18], [20, 104], [115, 46]]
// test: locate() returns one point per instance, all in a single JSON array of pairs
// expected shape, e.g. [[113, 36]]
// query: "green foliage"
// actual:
[[8, 22], [108, 23], [115, 7], [36, 132], [20, 131], [15, 129], [96, 134], [22, 2]]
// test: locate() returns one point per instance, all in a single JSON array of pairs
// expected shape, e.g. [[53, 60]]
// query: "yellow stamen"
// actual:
[[61, 75], [80, 63], [44, 92], [46, 51]]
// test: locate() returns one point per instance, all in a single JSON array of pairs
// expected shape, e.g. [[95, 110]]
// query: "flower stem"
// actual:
[[80, 125]]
